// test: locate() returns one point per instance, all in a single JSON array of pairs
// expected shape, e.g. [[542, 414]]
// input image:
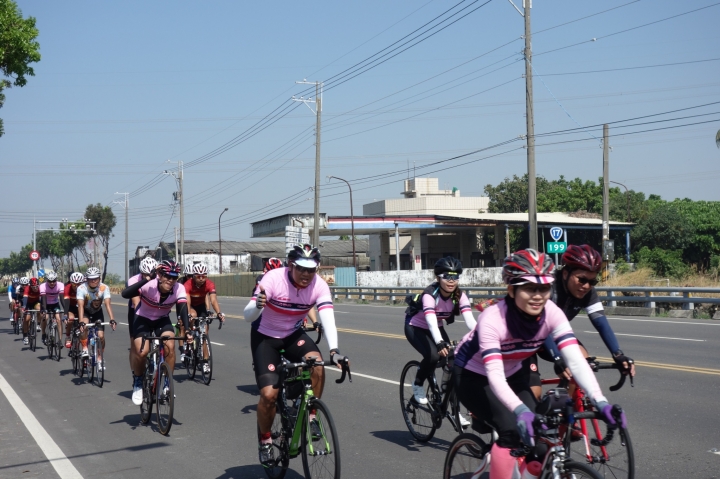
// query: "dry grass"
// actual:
[[646, 277]]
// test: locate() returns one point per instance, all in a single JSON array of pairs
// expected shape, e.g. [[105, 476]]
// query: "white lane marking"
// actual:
[[54, 454], [653, 337], [708, 323], [217, 344], [396, 383]]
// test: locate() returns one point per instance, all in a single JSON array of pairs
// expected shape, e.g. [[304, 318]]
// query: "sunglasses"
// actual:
[[170, 278], [303, 270], [536, 288], [200, 276], [52, 282], [450, 276], [582, 280]]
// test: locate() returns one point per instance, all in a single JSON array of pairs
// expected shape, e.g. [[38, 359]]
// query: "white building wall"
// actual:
[[242, 262], [422, 278]]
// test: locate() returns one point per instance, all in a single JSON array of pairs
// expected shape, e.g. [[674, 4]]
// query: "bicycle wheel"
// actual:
[[75, 354], [18, 320], [278, 468], [32, 333], [206, 371], [165, 399], [575, 470], [50, 340], [190, 363], [418, 417], [615, 460], [467, 458], [99, 372], [58, 341], [320, 449], [147, 401]]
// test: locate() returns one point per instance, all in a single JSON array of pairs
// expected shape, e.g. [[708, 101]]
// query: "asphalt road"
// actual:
[[672, 410]]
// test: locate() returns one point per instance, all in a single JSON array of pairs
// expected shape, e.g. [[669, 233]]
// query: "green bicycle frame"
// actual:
[[308, 396]]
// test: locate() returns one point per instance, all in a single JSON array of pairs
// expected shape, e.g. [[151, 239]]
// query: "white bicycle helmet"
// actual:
[[24, 280], [92, 273], [51, 276], [188, 270], [77, 278], [147, 265], [199, 268]]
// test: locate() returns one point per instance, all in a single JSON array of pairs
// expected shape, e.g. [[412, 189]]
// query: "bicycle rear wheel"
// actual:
[[278, 468], [467, 457], [190, 363], [32, 334], [574, 470], [57, 337], [616, 460], [206, 375], [16, 325], [147, 401], [320, 449], [418, 417], [165, 399], [75, 354], [50, 340]]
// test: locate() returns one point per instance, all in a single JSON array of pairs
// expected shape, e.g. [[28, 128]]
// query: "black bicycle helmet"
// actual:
[[304, 255], [448, 264]]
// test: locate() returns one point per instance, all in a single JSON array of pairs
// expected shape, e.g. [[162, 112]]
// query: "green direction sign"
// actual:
[[556, 247]]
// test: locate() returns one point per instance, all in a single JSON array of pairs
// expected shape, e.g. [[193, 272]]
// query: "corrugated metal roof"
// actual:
[[268, 248]]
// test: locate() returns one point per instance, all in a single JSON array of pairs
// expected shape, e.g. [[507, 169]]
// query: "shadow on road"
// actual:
[[133, 420], [249, 408], [254, 471], [404, 439], [250, 389]]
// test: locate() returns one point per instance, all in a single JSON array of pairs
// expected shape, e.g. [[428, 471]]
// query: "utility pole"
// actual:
[[176, 244], [179, 197], [126, 205], [318, 112], [606, 197], [529, 118]]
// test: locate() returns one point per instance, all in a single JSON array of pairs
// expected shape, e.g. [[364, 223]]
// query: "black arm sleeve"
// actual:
[[66, 305], [182, 312], [43, 302], [133, 291]]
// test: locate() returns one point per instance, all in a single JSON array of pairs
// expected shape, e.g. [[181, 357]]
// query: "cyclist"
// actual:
[[200, 289], [442, 300], [574, 290], [187, 274], [31, 300], [70, 303], [271, 264], [147, 268], [281, 300], [13, 300], [50, 292], [152, 317], [90, 299], [489, 377]]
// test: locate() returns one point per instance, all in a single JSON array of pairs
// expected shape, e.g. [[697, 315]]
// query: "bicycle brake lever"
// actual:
[[620, 383]]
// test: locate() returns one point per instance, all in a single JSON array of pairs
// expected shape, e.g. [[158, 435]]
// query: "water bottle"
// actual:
[[447, 374], [92, 340], [532, 470]]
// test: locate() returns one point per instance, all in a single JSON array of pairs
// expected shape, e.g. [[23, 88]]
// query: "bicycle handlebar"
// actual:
[[315, 327], [596, 365], [159, 338], [344, 363], [208, 319]]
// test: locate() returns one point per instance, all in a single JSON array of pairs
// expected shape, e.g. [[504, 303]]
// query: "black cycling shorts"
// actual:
[[54, 308], [200, 310], [74, 310], [266, 354], [531, 366], [131, 319], [96, 316], [143, 326]]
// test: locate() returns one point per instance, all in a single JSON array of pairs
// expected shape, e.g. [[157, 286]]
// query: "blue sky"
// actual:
[[124, 87]]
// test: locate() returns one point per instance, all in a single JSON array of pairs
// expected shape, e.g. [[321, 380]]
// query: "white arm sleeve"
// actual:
[[327, 318], [581, 371], [251, 312], [433, 327], [9, 295], [469, 320]]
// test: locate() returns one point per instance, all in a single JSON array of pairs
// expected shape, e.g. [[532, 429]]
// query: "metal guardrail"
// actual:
[[683, 295]]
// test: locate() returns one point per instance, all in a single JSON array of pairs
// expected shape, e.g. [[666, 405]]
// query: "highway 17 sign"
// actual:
[[556, 233], [34, 255]]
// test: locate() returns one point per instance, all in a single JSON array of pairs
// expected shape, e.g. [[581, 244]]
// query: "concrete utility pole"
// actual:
[[181, 199], [126, 205], [220, 239], [529, 117], [606, 184], [318, 113], [176, 245]]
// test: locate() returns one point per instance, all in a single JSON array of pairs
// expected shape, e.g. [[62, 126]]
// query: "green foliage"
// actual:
[[665, 227], [113, 278], [667, 263], [105, 221], [18, 48], [621, 267]]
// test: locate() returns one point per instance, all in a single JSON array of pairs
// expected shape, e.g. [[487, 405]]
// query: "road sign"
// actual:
[[296, 229], [556, 233], [556, 247], [34, 255]]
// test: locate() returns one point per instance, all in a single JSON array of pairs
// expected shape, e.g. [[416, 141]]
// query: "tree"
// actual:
[[105, 221], [18, 48], [665, 228]]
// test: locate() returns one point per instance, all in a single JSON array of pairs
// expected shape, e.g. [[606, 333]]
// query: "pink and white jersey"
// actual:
[[442, 309], [134, 279], [288, 305], [150, 306], [52, 294], [491, 339]]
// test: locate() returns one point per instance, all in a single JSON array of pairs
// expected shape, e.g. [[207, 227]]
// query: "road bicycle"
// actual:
[[53, 336], [94, 365], [158, 385], [469, 456], [198, 354], [75, 352], [584, 442], [17, 317], [294, 433], [32, 328], [423, 420]]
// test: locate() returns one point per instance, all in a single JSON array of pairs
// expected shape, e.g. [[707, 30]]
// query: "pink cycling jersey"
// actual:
[[150, 306], [490, 343], [52, 294], [134, 279], [442, 310], [288, 305]]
